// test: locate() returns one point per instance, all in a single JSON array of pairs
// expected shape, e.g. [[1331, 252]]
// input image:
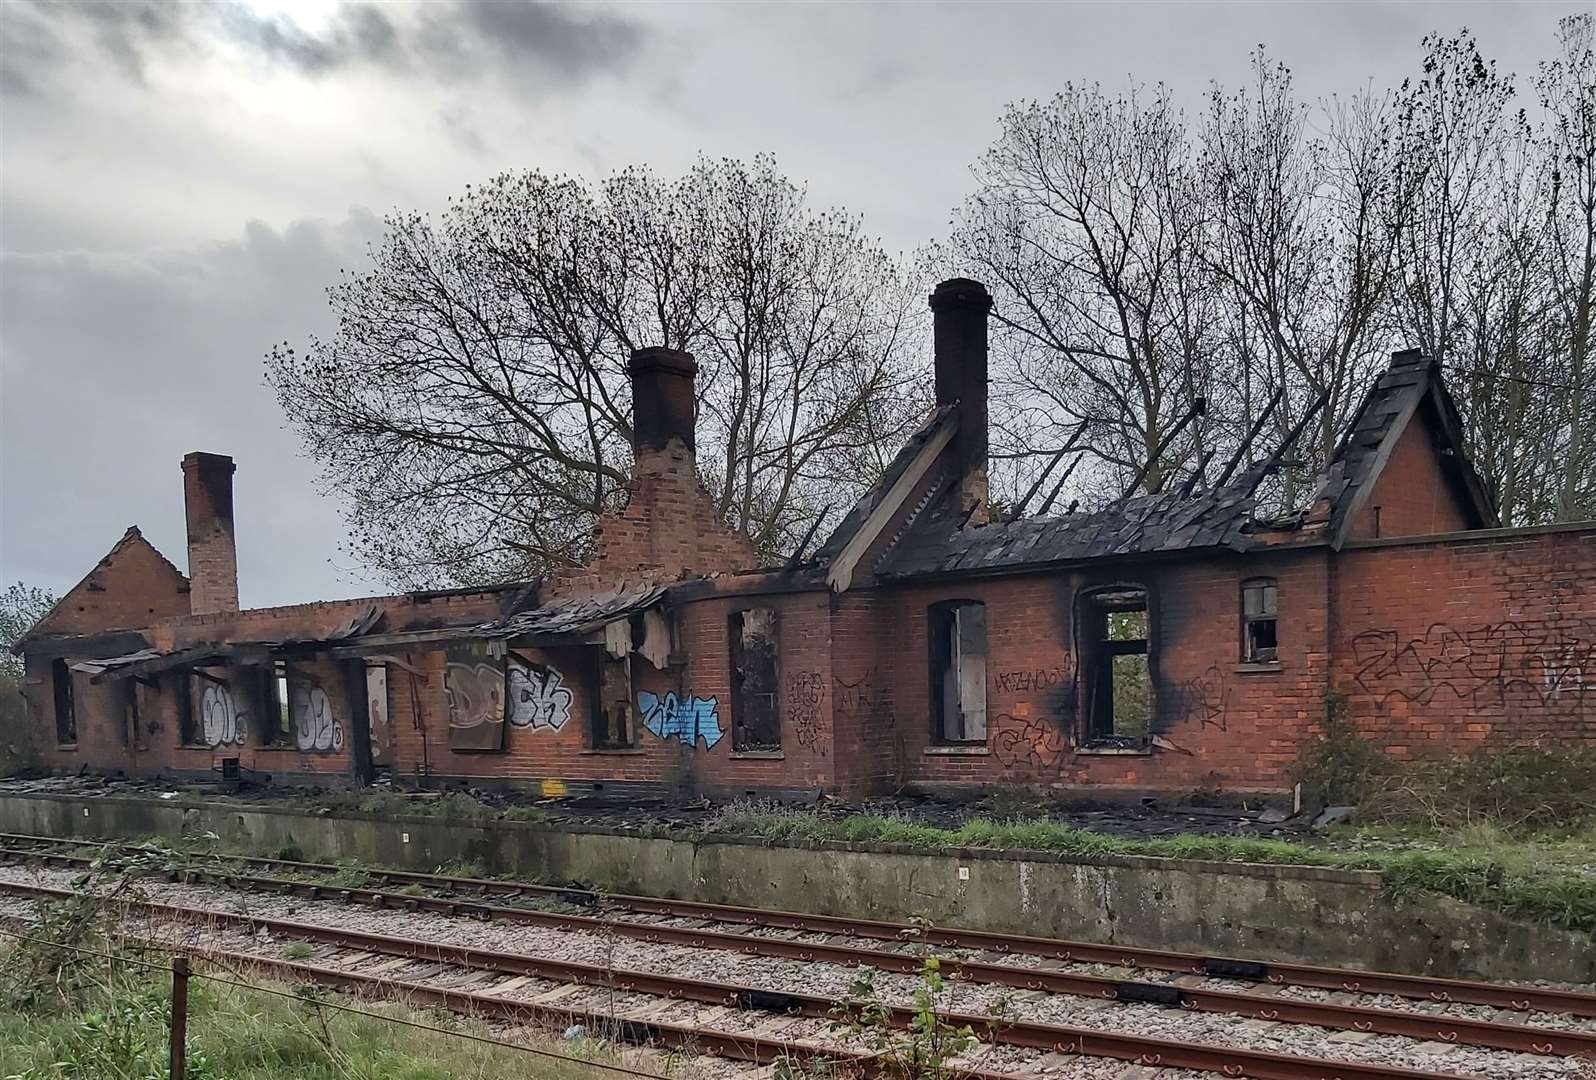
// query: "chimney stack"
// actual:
[[663, 405], [959, 310], [212, 553]]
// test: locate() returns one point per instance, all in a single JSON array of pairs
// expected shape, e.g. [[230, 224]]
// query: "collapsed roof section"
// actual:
[[937, 537], [623, 619]]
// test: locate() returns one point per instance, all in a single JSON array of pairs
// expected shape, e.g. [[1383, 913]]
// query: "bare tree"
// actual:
[[1088, 226], [1299, 239], [472, 408], [1567, 87]]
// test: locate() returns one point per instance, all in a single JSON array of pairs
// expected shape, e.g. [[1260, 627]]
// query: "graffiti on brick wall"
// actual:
[[806, 690], [1048, 678], [860, 698], [474, 683], [316, 729], [1036, 744], [1492, 666], [538, 697], [220, 723], [1205, 697], [685, 719]]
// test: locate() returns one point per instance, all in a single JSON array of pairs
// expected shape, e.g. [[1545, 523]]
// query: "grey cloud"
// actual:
[[117, 365], [451, 42]]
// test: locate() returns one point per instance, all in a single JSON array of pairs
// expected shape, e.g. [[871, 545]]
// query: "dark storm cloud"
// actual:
[[117, 365], [447, 41]]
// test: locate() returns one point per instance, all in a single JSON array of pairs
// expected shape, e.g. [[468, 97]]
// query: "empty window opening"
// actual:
[[279, 714], [66, 721], [186, 687], [755, 680], [131, 722], [957, 633], [1259, 605], [1116, 667], [612, 705]]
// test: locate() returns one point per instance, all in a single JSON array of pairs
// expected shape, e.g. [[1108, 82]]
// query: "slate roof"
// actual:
[[860, 512], [576, 616], [1411, 382], [1217, 518]]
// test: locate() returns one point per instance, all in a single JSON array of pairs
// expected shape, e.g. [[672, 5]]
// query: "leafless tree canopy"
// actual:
[[1271, 248], [473, 409], [1265, 255]]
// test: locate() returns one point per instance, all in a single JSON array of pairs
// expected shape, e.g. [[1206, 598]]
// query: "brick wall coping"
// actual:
[[1512, 533], [1274, 871]]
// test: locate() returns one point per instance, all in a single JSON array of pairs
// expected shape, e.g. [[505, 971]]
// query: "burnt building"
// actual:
[[1169, 642]]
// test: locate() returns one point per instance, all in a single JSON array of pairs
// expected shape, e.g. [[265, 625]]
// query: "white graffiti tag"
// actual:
[[315, 726], [538, 697], [218, 719]]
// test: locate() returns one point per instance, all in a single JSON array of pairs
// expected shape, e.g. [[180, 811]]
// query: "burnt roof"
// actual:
[[1411, 387], [860, 513], [1144, 525]]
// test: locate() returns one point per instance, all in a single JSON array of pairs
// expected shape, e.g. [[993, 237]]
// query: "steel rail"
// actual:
[[752, 1048], [1057, 1038], [1489, 1034], [1348, 980]]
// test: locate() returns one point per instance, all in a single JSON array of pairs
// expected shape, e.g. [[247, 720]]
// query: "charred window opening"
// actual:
[[755, 680], [185, 688], [612, 705], [277, 715], [1116, 667], [957, 634], [66, 721], [130, 713], [1259, 606]]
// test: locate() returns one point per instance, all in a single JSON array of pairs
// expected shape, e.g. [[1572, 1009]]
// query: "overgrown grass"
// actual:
[[454, 806], [104, 1014], [1512, 883]]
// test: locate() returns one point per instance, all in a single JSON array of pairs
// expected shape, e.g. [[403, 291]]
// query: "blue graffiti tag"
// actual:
[[685, 719]]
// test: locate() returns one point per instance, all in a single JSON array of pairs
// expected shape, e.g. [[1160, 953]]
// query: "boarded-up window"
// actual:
[[957, 633], [612, 705], [1116, 669], [755, 680], [475, 682], [1259, 609], [66, 720]]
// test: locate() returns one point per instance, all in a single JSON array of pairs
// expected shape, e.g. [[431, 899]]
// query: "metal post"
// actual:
[[179, 1017]]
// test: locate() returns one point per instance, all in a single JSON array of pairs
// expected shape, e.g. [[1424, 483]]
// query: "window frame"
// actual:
[[1270, 616], [1095, 656], [740, 743], [942, 631], [63, 697], [278, 704]]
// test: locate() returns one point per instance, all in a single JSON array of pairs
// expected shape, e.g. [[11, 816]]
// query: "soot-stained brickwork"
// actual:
[[1167, 642]]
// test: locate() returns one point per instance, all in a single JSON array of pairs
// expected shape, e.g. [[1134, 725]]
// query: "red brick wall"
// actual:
[[668, 529], [1412, 495], [131, 587], [1444, 645], [1219, 725]]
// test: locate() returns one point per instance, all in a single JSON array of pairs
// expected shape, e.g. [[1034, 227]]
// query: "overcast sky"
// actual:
[[181, 181]]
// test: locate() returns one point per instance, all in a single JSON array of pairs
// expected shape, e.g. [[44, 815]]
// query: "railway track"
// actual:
[[456, 893], [1342, 1017], [443, 963], [493, 900]]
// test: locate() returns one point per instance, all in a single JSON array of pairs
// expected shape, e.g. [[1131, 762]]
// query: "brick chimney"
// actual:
[[959, 309], [212, 553], [662, 399]]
